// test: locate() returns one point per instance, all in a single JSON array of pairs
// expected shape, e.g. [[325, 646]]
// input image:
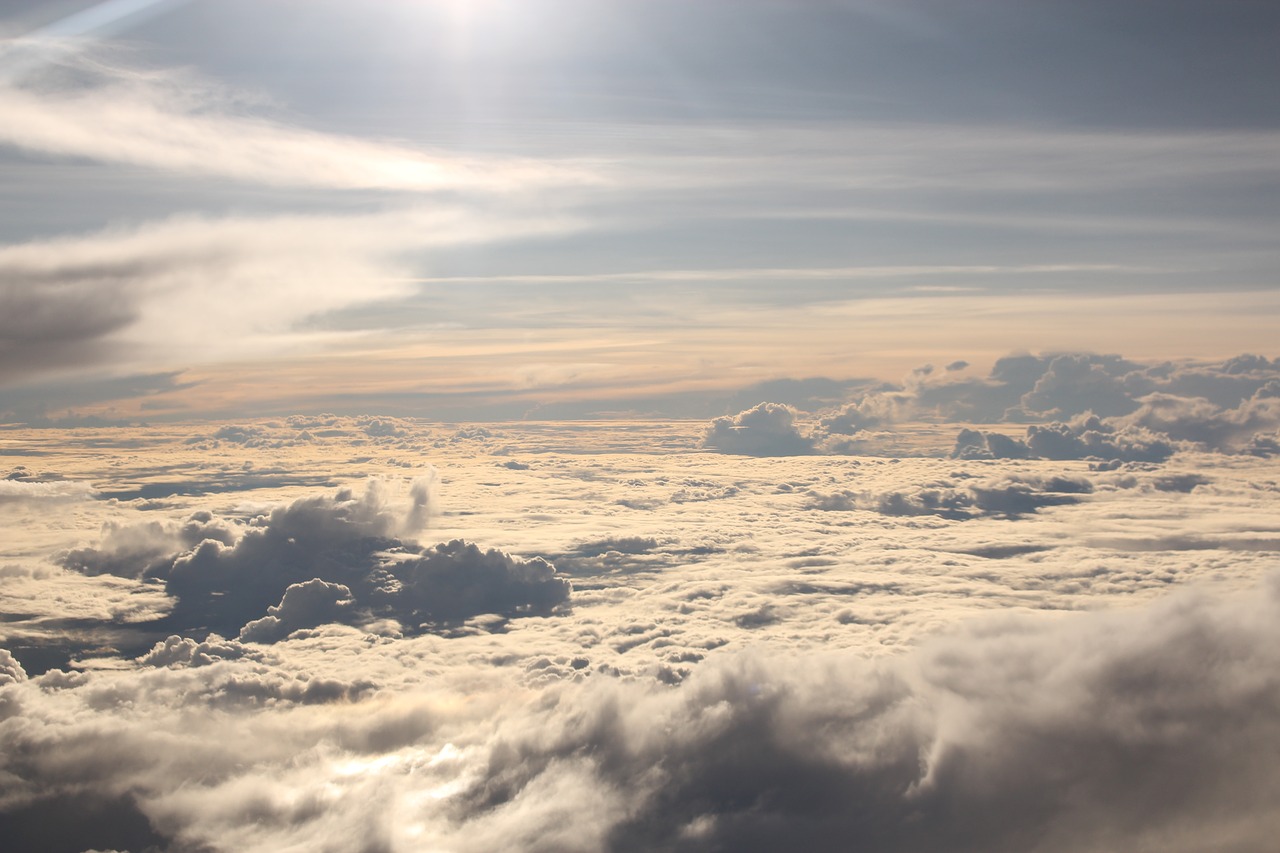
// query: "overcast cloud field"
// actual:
[[639, 425]]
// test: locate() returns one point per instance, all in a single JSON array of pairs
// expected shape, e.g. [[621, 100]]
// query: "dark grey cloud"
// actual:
[[457, 580], [46, 325], [76, 822], [328, 558], [1149, 425]]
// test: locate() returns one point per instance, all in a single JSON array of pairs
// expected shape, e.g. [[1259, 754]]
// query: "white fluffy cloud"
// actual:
[[11, 672], [768, 429]]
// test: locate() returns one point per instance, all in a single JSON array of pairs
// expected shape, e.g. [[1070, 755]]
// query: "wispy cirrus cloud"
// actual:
[[79, 105]]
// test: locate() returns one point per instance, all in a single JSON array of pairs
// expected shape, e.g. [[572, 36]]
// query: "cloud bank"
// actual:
[[1076, 405]]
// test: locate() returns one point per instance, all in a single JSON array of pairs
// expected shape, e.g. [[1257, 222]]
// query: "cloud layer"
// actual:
[[1083, 734]]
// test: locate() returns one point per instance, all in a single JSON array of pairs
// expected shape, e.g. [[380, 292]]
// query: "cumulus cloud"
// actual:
[[11, 672], [768, 429], [1079, 405], [1088, 438], [304, 605], [456, 580], [131, 550], [328, 558], [1152, 427], [1198, 420], [1084, 735], [175, 651], [1214, 403]]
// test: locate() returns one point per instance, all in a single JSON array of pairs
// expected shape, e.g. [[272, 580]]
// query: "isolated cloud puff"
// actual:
[[175, 651], [304, 605], [768, 429]]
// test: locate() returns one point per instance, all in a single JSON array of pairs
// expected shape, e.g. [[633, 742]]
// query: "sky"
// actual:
[[595, 426], [485, 209]]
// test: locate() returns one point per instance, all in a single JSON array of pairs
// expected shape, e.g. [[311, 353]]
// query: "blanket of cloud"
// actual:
[[334, 633]]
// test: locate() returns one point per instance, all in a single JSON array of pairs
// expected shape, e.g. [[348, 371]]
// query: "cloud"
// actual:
[[735, 673], [1063, 387], [11, 672], [1198, 420], [19, 489], [304, 605], [136, 297], [1008, 497], [171, 119], [456, 580], [1082, 733], [766, 430], [175, 651], [1153, 425], [131, 551], [32, 403], [335, 537], [327, 558], [1089, 438]]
